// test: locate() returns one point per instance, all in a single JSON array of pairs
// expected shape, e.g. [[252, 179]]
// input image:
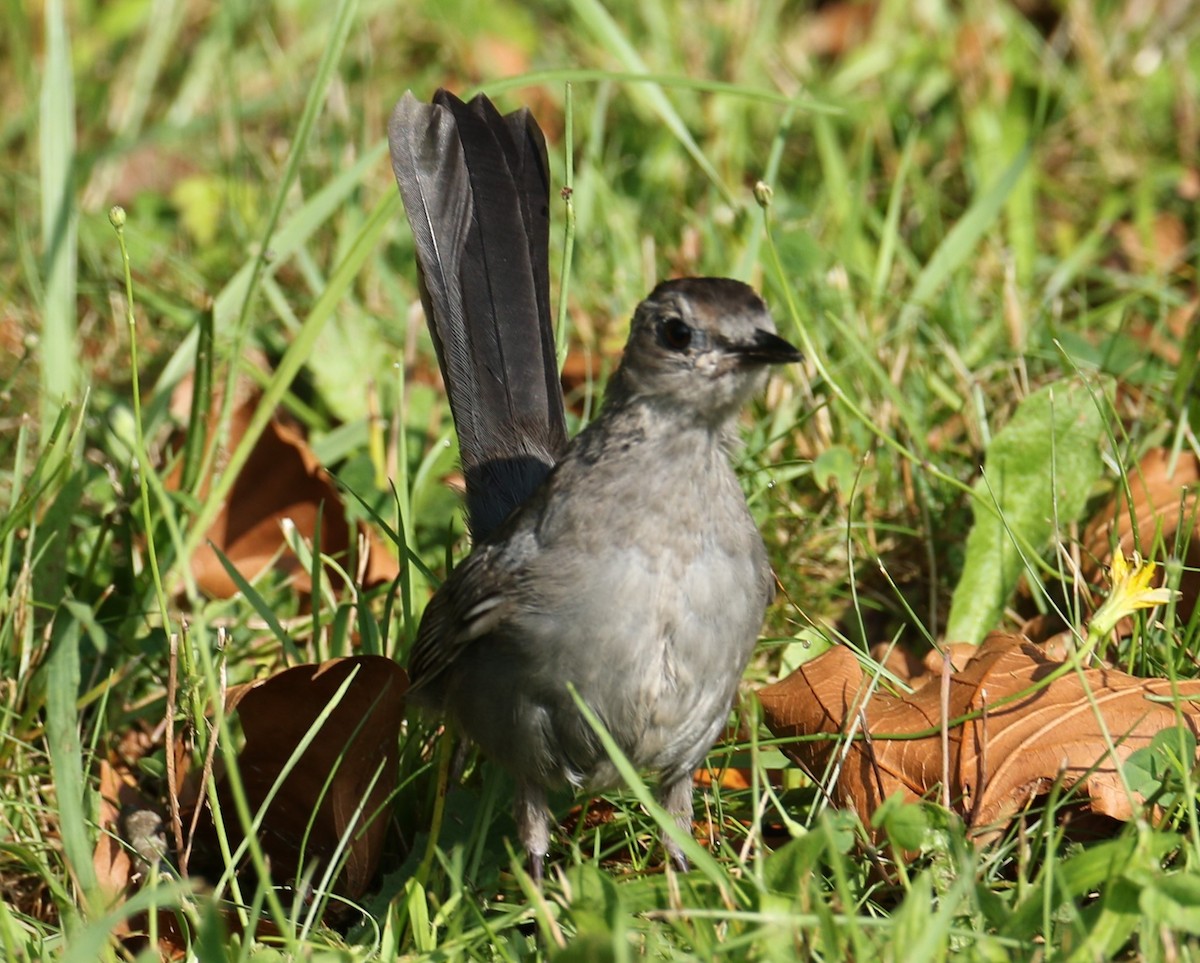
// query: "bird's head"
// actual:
[[701, 347]]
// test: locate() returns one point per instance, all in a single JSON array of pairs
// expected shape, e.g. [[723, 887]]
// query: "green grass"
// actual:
[[960, 205]]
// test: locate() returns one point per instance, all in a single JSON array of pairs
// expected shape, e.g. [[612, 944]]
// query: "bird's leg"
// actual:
[[676, 798], [533, 826]]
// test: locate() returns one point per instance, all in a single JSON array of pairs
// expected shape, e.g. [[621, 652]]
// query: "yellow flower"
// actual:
[[1130, 591]]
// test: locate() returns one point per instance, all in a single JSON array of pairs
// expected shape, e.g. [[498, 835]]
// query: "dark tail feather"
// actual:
[[475, 186]]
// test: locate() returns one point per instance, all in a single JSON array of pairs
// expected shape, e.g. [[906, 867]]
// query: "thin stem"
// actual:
[[116, 217]]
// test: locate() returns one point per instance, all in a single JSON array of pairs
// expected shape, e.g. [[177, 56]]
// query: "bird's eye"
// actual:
[[675, 334]]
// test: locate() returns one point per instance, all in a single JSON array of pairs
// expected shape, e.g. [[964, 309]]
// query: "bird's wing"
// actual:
[[473, 601]]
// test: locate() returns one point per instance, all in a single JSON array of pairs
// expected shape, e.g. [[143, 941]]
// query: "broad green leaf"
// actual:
[[599, 916], [346, 357], [787, 869], [921, 923], [906, 824], [292, 360], [1172, 901], [1099, 868], [1158, 771], [1106, 924], [1037, 474], [836, 468]]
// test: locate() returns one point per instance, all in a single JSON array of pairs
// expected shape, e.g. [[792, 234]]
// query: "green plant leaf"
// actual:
[[788, 868], [1106, 925], [599, 915], [836, 468], [60, 241], [1098, 868], [1158, 772], [905, 823], [1172, 901], [1037, 475], [66, 753]]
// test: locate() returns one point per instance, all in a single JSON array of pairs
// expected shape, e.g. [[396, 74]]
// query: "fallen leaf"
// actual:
[[726, 778], [131, 836], [1188, 187], [914, 669], [111, 859], [150, 168], [834, 29], [1166, 340], [1165, 499], [499, 56], [341, 784], [731, 778], [1030, 725], [979, 69], [1162, 252], [282, 479]]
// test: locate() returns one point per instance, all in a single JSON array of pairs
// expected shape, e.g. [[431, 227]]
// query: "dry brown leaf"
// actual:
[[1165, 340], [111, 860], [730, 777], [834, 29], [356, 751], [1164, 251], [282, 479], [908, 666], [978, 69], [131, 836], [1188, 187], [499, 56], [1009, 753], [1166, 495], [149, 168]]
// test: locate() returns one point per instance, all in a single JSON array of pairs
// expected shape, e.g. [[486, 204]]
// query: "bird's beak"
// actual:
[[765, 348]]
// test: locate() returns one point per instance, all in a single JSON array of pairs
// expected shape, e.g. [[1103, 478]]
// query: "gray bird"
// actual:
[[625, 562]]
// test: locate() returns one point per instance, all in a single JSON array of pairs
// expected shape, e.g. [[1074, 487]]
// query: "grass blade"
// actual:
[[960, 241], [700, 857], [56, 141], [292, 361], [600, 22], [66, 753]]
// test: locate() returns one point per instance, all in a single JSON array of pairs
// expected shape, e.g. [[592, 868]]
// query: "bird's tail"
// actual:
[[476, 189]]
